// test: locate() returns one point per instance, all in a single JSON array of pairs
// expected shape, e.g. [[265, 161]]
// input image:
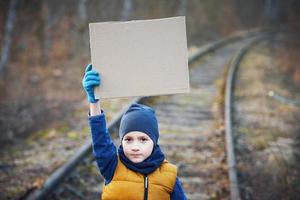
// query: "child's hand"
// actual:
[[90, 80]]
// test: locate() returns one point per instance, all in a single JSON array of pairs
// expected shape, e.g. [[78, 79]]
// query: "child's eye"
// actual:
[[128, 139], [144, 139]]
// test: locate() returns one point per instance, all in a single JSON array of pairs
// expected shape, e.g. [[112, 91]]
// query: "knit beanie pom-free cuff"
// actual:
[[141, 118]]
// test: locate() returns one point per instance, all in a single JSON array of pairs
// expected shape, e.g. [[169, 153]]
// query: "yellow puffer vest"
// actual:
[[129, 185]]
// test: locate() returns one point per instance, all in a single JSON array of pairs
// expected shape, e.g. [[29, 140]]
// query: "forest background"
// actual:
[[45, 47]]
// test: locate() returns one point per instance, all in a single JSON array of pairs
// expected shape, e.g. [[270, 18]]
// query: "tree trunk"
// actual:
[[271, 11], [52, 12], [126, 10], [80, 39], [182, 8], [46, 43], [10, 21]]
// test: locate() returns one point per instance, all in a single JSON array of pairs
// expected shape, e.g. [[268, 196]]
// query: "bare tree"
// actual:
[[182, 8], [10, 21], [271, 9], [80, 41], [82, 25], [52, 11], [82, 15], [46, 43], [126, 10]]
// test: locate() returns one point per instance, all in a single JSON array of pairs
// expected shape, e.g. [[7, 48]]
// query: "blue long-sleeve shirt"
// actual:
[[106, 155]]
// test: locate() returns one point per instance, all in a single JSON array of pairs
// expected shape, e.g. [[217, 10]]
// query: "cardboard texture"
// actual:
[[140, 57]]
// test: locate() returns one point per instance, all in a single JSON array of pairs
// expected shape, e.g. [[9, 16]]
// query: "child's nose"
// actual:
[[135, 150], [135, 146]]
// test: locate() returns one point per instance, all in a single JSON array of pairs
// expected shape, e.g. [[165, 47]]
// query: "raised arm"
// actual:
[[104, 150], [95, 109]]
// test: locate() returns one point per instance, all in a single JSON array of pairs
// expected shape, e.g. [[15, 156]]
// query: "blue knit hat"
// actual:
[[139, 118]]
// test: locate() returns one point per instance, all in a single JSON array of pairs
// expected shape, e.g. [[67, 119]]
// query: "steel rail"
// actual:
[[231, 161]]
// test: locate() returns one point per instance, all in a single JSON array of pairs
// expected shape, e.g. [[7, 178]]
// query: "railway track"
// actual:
[[192, 134], [265, 130], [231, 77]]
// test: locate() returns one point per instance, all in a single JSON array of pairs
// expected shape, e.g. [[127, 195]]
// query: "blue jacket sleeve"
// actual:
[[178, 193], [104, 149]]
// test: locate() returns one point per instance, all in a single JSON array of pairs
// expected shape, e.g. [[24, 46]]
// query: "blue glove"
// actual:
[[90, 80]]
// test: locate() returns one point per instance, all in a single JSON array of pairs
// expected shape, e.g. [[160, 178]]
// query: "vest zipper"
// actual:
[[146, 187]]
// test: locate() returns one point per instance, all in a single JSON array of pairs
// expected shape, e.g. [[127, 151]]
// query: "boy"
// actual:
[[138, 169]]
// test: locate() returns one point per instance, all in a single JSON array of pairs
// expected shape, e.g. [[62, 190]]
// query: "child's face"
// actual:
[[137, 146]]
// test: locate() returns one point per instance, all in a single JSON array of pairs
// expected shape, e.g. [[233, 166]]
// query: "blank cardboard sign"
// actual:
[[140, 57]]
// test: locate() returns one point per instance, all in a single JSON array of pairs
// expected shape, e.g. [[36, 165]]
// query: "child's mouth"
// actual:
[[136, 155]]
